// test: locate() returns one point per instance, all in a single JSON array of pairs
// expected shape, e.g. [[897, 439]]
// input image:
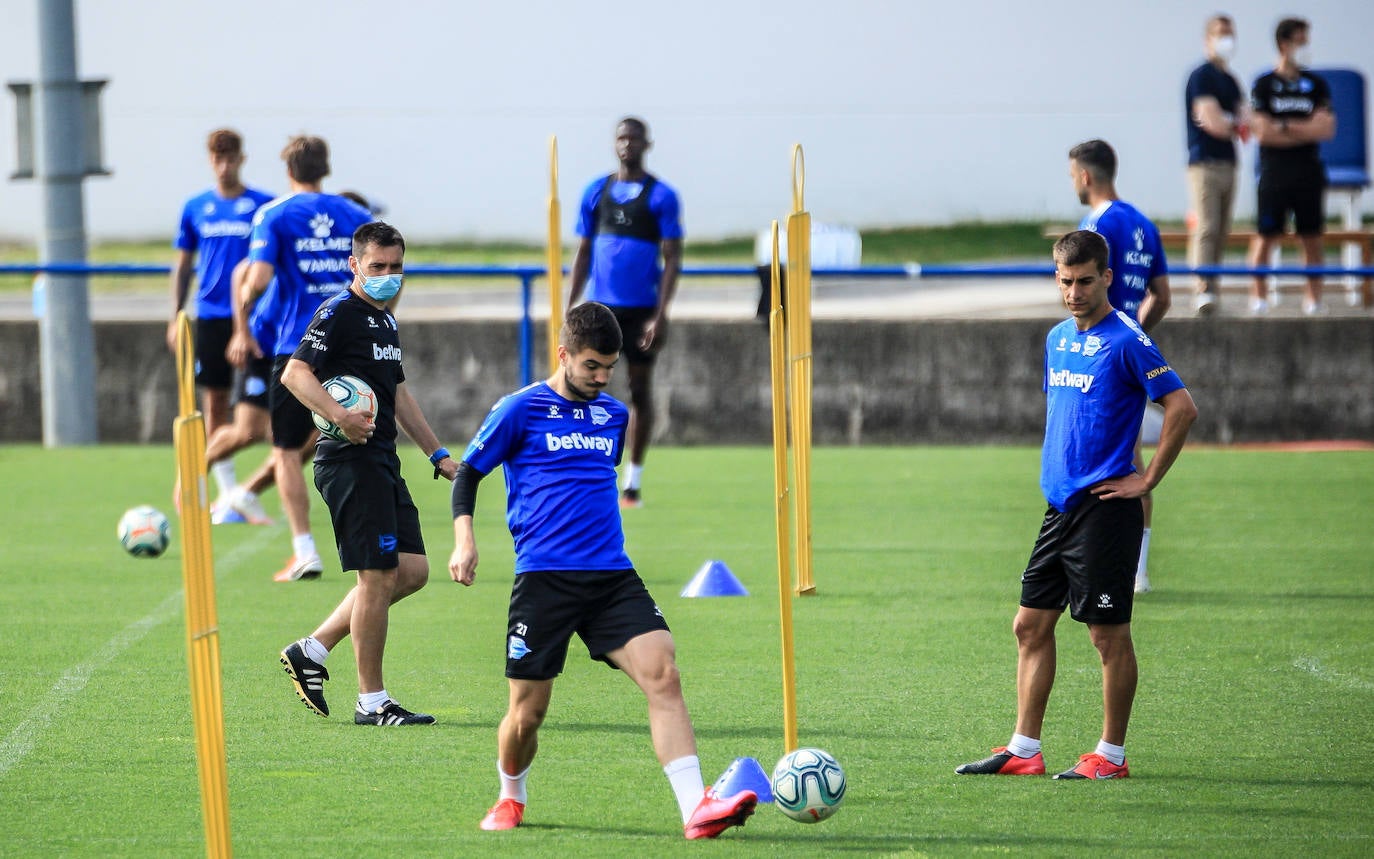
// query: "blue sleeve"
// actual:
[[262, 246], [586, 216], [1146, 365], [495, 438], [187, 237], [669, 211]]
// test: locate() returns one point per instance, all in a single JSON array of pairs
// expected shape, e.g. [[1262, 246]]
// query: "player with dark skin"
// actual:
[[631, 144]]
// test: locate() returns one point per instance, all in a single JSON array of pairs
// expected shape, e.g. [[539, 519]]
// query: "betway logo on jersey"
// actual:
[[580, 441], [1290, 104], [388, 353], [1069, 379], [220, 229]]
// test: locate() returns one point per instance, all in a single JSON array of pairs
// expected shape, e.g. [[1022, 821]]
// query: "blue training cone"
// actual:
[[714, 579], [744, 774]]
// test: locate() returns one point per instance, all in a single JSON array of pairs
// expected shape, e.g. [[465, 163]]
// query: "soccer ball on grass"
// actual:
[[808, 785], [353, 394], [144, 532]]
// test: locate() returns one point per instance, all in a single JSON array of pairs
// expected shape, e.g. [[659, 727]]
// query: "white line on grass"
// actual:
[[1312, 665], [17, 745]]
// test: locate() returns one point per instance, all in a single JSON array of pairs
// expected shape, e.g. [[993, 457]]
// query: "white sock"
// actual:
[[1115, 754], [513, 786], [1143, 564], [631, 480], [314, 649], [684, 774], [223, 472], [304, 545], [1023, 746], [371, 701]]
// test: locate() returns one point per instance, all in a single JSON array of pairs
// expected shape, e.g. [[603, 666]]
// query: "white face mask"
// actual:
[[1302, 55], [1224, 47]]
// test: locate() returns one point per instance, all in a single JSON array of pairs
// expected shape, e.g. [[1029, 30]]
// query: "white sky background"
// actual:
[[909, 112]]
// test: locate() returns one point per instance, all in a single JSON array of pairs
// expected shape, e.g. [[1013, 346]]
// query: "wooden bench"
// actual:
[[1242, 238]]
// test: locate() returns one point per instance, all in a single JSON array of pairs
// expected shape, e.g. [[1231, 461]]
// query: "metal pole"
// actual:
[[66, 339]]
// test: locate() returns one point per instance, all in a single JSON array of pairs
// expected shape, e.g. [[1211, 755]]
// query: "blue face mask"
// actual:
[[382, 287]]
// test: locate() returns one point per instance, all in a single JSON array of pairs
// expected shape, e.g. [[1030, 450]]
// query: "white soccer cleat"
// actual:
[[247, 505]]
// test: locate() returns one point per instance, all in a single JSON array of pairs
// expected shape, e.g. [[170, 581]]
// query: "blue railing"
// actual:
[[527, 274]]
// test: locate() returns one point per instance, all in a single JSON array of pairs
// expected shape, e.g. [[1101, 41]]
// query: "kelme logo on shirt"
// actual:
[[1069, 379], [579, 441], [321, 224]]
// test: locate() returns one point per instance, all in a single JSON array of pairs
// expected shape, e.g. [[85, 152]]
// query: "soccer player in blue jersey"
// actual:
[[212, 239], [559, 442], [627, 221], [376, 524], [1140, 279], [300, 248], [1100, 366]]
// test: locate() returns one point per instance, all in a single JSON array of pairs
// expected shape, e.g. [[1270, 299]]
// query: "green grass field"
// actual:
[[1252, 733]]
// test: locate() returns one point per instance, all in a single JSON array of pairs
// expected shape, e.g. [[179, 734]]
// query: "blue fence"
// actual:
[[528, 274]]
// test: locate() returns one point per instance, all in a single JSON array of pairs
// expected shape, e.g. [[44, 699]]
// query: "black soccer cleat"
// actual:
[[390, 713], [1003, 762], [307, 675]]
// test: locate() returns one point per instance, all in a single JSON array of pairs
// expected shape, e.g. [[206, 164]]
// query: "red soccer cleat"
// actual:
[[1095, 766], [716, 814], [1003, 762], [505, 814]]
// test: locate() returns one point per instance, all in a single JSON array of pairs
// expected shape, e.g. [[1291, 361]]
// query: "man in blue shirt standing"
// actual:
[[627, 221], [1100, 367], [1140, 278], [212, 239], [299, 249], [1215, 115], [559, 442]]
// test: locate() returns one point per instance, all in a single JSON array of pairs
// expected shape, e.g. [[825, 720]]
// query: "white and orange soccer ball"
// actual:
[[353, 394], [808, 785], [144, 532]]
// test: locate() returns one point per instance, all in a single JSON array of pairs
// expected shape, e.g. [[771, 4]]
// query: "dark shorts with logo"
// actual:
[[374, 518], [1299, 189], [253, 382], [632, 321], [213, 370], [292, 425], [605, 608], [1086, 559]]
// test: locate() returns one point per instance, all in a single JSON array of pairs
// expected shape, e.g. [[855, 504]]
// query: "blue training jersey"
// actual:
[[216, 230], [1137, 255], [625, 270], [1096, 385], [559, 457], [306, 238]]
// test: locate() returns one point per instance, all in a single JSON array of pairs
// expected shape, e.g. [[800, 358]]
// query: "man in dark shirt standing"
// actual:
[[376, 525], [1215, 116], [1292, 115]]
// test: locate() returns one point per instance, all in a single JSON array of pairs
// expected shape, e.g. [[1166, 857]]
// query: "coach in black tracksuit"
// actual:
[[376, 525]]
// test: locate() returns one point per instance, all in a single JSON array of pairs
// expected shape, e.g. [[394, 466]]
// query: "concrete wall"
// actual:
[[875, 382]]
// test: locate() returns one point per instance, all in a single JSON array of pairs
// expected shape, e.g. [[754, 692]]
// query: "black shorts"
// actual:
[[605, 609], [291, 420], [1086, 559], [632, 321], [213, 369], [1297, 189], [252, 383], [374, 518]]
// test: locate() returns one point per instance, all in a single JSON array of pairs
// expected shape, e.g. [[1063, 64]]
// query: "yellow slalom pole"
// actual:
[[799, 342], [202, 623], [186, 366], [778, 364], [554, 259]]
